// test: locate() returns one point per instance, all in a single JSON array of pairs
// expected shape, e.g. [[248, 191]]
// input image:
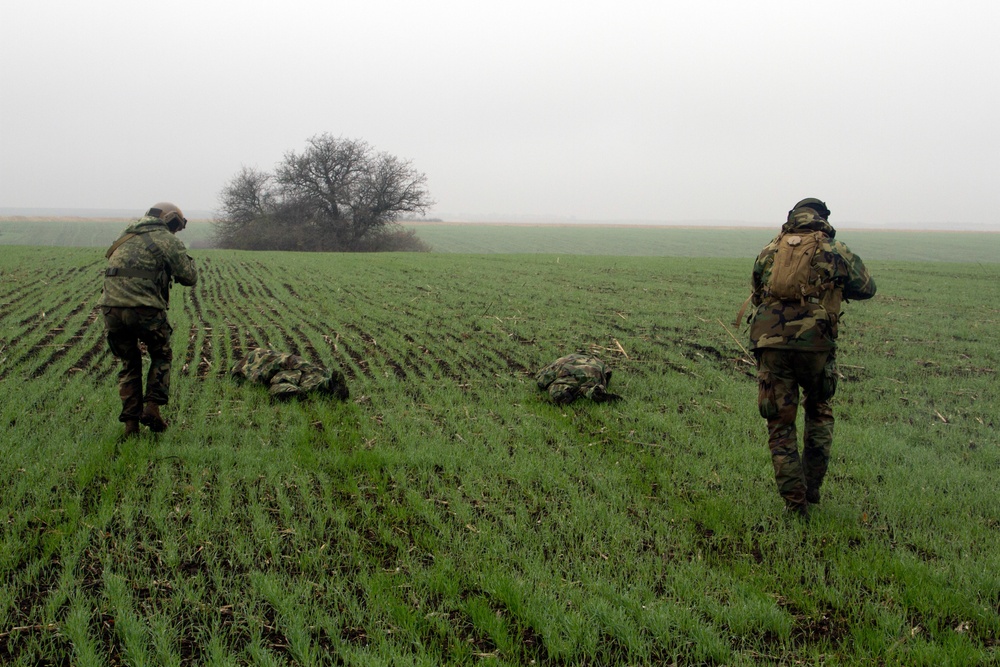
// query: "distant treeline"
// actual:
[[478, 238]]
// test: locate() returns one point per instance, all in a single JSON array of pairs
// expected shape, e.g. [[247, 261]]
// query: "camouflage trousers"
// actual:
[[780, 375], [126, 328]]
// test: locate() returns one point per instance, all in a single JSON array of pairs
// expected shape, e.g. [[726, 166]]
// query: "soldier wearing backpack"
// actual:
[[799, 282], [142, 263]]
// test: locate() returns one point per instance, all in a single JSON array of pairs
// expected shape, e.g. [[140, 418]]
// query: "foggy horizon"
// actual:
[[636, 112], [198, 216]]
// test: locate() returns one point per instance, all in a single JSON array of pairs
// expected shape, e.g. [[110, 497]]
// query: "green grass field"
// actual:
[[449, 514]]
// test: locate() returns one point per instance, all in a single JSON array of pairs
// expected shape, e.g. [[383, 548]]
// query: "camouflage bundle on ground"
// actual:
[[575, 375], [289, 375]]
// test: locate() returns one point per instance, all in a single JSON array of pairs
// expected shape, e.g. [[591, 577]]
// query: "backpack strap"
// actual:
[[153, 248], [743, 309], [132, 273], [150, 245], [161, 277], [116, 244]]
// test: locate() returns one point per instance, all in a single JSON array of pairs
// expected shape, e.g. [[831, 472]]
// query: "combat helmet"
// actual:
[[815, 204], [170, 214]]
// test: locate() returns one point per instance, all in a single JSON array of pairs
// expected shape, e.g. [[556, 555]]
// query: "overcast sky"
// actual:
[[645, 110]]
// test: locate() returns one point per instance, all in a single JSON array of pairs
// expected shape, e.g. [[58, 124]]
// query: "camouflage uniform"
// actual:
[[795, 345], [289, 375], [134, 303], [576, 375]]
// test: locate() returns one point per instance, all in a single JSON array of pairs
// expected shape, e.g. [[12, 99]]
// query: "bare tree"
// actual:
[[246, 201], [338, 194]]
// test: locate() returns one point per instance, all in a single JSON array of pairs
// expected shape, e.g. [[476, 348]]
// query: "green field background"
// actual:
[[573, 240], [448, 513]]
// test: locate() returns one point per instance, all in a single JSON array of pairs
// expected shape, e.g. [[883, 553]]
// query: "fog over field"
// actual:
[[85, 214], [637, 111]]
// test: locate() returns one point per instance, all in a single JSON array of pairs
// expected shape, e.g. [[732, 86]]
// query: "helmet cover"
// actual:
[[168, 213]]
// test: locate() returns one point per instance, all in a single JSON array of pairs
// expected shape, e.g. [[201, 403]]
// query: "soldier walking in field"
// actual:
[[799, 282], [142, 263], [288, 375], [575, 375]]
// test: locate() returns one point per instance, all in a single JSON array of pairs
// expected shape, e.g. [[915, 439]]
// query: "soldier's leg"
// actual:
[[124, 345], [155, 332], [778, 401], [818, 440]]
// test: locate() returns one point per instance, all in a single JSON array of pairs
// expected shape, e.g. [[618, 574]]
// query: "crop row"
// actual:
[[374, 327]]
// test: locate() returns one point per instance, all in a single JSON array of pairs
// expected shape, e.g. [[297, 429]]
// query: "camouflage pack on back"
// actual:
[[576, 375], [289, 374], [809, 320], [793, 274]]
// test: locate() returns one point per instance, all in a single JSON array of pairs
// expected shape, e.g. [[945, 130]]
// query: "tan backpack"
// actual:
[[793, 274]]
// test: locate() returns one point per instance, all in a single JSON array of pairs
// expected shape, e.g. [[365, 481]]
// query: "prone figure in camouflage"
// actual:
[[575, 375], [289, 375], [794, 340], [142, 264]]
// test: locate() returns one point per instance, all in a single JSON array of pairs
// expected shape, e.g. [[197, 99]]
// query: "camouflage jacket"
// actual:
[[289, 374], [168, 261], [575, 375], [807, 324]]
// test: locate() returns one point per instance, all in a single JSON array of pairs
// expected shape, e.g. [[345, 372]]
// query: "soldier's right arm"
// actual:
[[757, 279]]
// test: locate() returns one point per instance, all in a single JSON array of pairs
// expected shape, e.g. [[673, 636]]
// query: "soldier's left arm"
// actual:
[[182, 266], [858, 284]]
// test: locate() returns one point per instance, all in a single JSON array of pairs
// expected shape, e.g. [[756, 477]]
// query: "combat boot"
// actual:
[[131, 429], [797, 510], [151, 418], [812, 495]]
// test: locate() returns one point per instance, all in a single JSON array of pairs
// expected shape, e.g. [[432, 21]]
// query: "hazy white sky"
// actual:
[[658, 110]]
